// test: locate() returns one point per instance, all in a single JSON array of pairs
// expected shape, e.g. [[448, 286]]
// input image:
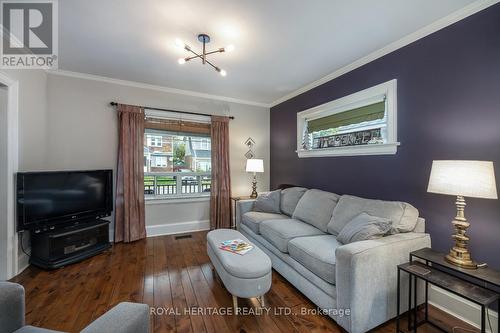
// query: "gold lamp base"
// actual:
[[458, 260], [459, 254], [254, 187]]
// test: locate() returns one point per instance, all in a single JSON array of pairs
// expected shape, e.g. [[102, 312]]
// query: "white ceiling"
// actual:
[[281, 45]]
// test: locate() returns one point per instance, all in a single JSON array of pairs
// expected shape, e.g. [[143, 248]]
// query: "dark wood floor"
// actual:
[[169, 273]]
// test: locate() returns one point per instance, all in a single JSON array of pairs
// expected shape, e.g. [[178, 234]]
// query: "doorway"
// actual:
[[8, 169]]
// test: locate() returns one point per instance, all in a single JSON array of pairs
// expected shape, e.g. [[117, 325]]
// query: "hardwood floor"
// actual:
[[170, 275]]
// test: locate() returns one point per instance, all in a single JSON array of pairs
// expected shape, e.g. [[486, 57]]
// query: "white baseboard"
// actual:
[[176, 228], [23, 261], [461, 308]]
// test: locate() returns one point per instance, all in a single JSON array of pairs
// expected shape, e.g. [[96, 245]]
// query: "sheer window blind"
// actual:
[[355, 116]]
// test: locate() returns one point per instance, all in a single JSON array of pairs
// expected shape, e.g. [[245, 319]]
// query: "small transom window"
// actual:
[[363, 123]]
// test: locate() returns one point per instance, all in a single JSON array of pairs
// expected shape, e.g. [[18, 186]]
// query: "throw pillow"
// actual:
[[364, 227], [268, 202], [316, 207], [289, 199], [402, 215]]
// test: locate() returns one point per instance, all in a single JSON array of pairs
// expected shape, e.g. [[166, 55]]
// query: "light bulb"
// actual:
[[222, 72], [181, 61], [229, 48], [179, 43]]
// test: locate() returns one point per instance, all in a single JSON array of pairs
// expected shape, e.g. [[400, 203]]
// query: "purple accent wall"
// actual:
[[448, 108]]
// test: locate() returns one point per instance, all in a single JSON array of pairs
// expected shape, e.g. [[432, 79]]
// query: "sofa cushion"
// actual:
[[364, 227], [268, 202], [280, 232], [316, 208], [283, 263], [316, 253], [403, 216], [253, 219], [289, 199]]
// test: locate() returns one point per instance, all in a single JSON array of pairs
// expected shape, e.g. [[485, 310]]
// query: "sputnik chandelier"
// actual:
[[204, 39]]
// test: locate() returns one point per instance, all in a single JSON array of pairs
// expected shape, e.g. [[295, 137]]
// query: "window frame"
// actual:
[[203, 144], [160, 157], [157, 143], [387, 90], [171, 198]]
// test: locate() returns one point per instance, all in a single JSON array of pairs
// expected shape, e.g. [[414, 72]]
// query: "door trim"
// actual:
[[9, 244]]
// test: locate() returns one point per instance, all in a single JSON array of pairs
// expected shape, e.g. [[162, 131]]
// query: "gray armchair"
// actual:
[[124, 317]]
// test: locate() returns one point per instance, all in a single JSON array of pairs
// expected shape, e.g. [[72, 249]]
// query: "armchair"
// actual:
[[124, 317]]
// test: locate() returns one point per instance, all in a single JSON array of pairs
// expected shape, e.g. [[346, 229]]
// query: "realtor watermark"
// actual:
[[246, 311], [29, 34]]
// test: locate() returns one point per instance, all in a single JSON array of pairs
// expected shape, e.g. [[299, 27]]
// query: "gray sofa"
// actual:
[[124, 317], [353, 283]]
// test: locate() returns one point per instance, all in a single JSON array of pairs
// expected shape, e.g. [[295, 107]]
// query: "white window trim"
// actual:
[[157, 139], [160, 158], [387, 90], [158, 200]]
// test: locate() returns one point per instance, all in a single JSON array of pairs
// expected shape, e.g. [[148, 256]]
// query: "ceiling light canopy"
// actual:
[[204, 39]]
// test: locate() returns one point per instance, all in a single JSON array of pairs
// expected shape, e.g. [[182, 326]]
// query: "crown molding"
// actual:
[[421, 33], [141, 85]]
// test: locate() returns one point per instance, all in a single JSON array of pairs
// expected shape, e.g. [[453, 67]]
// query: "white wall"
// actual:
[[177, 216], [82, 134], [32, 117]]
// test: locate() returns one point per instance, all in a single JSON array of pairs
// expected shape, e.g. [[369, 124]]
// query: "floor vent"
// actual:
[[182, 237]]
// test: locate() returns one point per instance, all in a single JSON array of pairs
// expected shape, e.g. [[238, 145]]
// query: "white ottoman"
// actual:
[[245, 276]]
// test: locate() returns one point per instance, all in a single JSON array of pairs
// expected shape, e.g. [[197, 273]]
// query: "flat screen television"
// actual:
[[46, 199]]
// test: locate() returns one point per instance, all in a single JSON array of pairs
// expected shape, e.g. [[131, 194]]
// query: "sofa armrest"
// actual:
[[123, 318], [366, 278], [11, 306], [242, 207]]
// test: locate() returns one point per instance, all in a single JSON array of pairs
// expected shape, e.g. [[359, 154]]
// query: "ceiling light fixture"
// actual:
[[205, 39]]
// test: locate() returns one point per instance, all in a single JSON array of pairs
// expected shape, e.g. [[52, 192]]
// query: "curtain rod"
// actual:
[[159, 109]]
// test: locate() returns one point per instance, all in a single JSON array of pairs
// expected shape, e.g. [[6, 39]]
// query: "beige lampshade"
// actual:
[[474, 179], [255, 165]]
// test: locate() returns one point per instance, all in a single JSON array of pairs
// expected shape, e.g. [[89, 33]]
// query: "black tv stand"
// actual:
[[67, 245]]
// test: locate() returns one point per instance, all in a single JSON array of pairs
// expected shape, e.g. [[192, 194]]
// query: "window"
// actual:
[[201, 143], [363, 123], [154, 140], [160, 161], [204, 166], [181, 165]]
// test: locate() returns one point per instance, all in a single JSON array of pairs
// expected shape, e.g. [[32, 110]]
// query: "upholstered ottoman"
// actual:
[[245, 276]]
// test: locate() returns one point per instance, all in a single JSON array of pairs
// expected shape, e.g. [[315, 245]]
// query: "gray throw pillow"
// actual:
[[289, 199], [268, 202], [402, 215], [364, 227], [316, 207]]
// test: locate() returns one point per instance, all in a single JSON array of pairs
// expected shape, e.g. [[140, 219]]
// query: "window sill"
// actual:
[[374, 149], [173, 200]]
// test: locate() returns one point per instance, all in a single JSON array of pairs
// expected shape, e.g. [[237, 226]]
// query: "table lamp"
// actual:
[[254, 165], [475, 179]]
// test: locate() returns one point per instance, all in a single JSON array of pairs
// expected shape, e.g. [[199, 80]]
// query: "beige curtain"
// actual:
[[220, 192], [129, 211]]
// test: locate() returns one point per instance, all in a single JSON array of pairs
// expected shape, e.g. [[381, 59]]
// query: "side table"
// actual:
[[480, 286], [234, 201]]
